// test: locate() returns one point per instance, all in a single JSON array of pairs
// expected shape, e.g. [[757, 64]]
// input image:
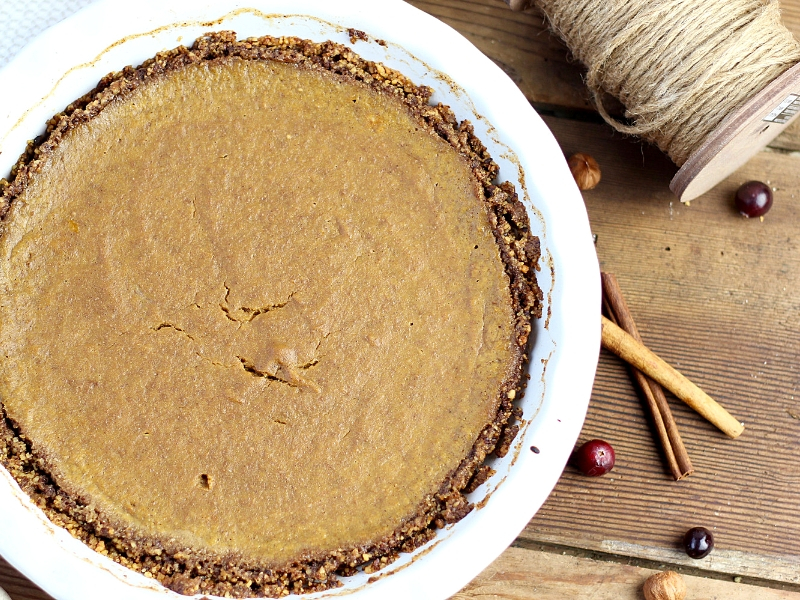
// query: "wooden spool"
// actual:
[[740, 136]]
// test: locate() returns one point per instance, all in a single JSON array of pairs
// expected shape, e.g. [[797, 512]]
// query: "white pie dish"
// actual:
[[69, 59]]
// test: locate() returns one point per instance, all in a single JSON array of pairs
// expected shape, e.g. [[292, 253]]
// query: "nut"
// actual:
[[585, 170], [668, 585]]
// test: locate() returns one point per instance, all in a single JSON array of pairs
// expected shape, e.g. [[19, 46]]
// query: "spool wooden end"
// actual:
[[741, 135]]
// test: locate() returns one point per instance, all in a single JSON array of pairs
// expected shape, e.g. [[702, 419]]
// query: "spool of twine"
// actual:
[[679, 67]]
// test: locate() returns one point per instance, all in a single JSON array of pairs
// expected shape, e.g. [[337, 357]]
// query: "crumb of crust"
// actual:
[[357, 34], [186, 570], [482, 474], [507, 437]]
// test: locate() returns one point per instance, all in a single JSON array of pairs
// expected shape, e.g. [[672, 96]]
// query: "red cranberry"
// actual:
[[753, 199], [594, 458], [698, 542]]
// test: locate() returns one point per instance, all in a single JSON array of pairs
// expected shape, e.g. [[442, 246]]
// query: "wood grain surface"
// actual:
[[521, 574], [521, 45], [17, 585], [714, 294]]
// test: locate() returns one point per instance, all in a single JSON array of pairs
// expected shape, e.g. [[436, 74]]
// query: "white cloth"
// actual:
[[22, 20]]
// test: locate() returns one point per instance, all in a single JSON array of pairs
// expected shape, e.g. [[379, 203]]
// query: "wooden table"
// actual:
[[713, 294]]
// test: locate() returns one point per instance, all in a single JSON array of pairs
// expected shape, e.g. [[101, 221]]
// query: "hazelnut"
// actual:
[[668, 585], [585, 170]]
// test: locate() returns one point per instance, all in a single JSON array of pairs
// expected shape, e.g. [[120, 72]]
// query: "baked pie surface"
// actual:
[[263, 315]]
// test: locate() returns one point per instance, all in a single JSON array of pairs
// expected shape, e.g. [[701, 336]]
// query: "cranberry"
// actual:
[[753, 199], [594, 458], [698, 542]]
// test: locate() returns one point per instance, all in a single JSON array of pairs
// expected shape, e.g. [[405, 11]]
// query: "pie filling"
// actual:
[[263, 315]]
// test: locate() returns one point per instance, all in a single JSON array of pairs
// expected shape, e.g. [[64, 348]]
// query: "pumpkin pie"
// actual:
[[263, 315]]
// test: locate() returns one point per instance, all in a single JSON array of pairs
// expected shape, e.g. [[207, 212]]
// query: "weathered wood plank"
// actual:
[[714, 295], [530, 575], [17, 585], [789, 139], [521, 44], [720, 562], [790, 14]]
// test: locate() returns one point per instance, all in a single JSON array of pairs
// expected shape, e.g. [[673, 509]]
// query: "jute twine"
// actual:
[[678, 66]]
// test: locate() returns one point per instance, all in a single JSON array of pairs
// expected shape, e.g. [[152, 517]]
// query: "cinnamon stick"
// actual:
[[628, 349], [671, 442], [650, 401]]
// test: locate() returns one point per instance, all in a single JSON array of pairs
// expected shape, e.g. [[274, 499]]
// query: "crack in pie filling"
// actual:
[[263, 315]]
